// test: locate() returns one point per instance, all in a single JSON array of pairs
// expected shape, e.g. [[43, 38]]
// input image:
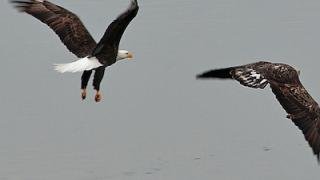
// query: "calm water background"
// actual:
[[156, 121]]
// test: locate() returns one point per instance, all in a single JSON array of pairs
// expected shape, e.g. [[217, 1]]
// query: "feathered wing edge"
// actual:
[[116, 29], [306, 121], [83, 64], [246, 76], [66, 24], [224, 73]]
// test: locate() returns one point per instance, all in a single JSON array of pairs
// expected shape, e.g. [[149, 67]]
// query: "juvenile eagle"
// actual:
[[284, 81]]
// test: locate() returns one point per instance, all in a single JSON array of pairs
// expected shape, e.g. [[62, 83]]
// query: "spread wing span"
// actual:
[[64, 23]]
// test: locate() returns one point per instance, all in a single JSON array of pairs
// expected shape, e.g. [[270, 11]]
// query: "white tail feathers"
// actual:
[[83, 64]]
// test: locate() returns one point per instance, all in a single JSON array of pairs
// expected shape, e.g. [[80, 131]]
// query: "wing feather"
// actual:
[[250, 77], [112, 36], [302, 110], [64, 23], [285, 84]]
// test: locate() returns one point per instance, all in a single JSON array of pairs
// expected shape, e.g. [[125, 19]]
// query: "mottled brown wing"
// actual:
[[302, 110], [112, 36], [251, 75], [63, 22]]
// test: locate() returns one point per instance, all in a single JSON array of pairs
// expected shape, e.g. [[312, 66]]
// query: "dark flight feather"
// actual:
[[284, 81], [302, 110], [64, 23], [224, 73], [107, 48]]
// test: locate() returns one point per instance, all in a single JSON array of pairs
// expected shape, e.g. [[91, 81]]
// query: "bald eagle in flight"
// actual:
[[74, 35], [284, 81]]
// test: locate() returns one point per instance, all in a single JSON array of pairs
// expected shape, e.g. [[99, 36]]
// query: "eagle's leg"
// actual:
[[84, 82], [83, 94], [98, 75]]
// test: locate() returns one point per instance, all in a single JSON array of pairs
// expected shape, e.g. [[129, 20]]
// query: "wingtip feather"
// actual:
[[216, 73], [133, 4]]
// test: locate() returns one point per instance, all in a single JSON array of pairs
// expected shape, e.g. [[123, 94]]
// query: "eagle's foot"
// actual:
[[98, 96], [83, 94]]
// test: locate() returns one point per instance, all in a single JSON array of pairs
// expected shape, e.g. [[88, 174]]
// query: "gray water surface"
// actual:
[[156, 120]]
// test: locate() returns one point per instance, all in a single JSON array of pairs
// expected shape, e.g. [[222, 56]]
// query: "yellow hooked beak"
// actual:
[[130, 55]]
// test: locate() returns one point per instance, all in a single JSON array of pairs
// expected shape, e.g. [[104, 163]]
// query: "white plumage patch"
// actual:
[[255, 75], [251, 78], [83, 64]]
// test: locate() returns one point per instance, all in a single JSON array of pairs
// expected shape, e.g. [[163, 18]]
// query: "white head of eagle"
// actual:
[[124, 54]]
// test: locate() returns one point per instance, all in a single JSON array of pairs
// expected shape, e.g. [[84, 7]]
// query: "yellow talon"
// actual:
[[83, 94], [98, 96]]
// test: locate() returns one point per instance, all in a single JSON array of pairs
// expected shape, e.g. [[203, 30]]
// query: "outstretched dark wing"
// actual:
[[302, 110], [64, 23], [248, 75], [285, 84], [110, 41]]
